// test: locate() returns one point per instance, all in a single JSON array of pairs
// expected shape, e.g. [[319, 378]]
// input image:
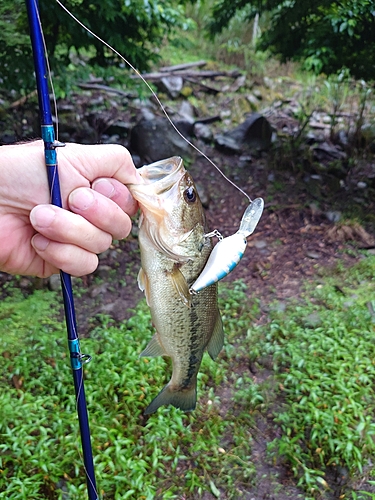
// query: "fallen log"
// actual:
[[178, 67], [106, 88], [190, 74]]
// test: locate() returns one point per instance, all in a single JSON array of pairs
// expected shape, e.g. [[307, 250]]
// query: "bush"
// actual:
[[133, 28], [325, 35]]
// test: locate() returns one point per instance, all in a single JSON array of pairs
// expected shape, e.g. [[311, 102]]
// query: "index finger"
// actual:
[[106, 160]]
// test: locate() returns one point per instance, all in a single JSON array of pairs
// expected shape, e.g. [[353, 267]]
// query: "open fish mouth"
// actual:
[[163, 174]]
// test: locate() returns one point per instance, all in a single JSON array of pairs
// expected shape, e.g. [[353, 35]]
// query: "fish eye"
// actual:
[[190, 195]]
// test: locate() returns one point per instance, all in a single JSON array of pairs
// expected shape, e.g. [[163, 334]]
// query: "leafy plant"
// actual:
[[131, 27], [135, 457], [311, 31], [324, 352]]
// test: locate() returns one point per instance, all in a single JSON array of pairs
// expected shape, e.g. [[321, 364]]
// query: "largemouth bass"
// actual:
[[174, 251]]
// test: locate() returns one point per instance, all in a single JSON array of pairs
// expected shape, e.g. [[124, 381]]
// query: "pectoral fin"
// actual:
[[143, 284], [181, 286], [153, 348], [217, 339], [141, 280]]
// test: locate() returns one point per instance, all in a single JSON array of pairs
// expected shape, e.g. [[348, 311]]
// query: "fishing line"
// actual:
[[155, 96], [48, 71]]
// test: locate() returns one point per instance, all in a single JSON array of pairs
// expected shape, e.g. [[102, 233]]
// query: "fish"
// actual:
[[174, 250]]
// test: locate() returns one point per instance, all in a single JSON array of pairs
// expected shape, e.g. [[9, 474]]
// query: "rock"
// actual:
[[244, 160], [260, 244], [312, 320], [186, 127], [119, 128], [333, 215], [225, 142], [98, 290], [54, 283], [278, 306], [186, 111], [254, 102], [328, 152], [268, 82], [313, 255], [254, 133], [203, 195], [172, 85], [203, 132], [156, 139]]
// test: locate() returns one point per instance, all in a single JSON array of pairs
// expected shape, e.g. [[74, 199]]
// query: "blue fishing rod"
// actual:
[[50, 144]]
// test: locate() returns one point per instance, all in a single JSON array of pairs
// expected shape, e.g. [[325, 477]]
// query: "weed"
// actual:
[[327, 374], [167, 454]]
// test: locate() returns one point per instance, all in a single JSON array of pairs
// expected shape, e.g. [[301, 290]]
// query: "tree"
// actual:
[[326, 35], [132, 27]]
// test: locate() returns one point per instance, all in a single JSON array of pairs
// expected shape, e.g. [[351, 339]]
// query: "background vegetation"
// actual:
[[326, 36], [320, 396]]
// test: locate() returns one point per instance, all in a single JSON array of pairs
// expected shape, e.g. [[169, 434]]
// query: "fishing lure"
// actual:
[[228, 252]]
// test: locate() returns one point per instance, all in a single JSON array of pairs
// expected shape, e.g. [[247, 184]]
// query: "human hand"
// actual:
[[39, 239]]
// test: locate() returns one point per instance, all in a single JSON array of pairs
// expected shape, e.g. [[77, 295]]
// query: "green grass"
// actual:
[[134, 457], [322, 349]]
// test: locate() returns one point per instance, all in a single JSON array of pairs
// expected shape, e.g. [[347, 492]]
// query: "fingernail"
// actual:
[[104, 187], [39, 242], [42, 216], [81, 199]]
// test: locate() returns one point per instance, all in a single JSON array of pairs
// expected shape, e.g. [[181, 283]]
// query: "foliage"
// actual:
[[324, 352], [133, 28], [168, 454], [326, 35]]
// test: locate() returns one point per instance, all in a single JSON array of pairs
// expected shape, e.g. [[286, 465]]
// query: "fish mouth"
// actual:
[[160, 184], [163, 174]]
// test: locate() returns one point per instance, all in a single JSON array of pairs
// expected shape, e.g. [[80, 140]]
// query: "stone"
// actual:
[[156, 139], [54, 283], [254, 133], [203, 131], [172, 85], [333, 215]]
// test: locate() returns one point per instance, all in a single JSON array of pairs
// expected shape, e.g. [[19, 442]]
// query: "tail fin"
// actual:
[[184, 399]]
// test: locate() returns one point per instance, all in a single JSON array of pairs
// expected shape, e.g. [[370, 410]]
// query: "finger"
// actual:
[[102, 212], [69, 258], [117, 192], [106, 160], [63, 226]]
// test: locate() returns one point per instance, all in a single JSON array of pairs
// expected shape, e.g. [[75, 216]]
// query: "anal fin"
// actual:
[[153, 348]]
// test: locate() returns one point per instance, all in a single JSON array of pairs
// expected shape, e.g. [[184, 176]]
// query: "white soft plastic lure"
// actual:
[[229, 251]]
